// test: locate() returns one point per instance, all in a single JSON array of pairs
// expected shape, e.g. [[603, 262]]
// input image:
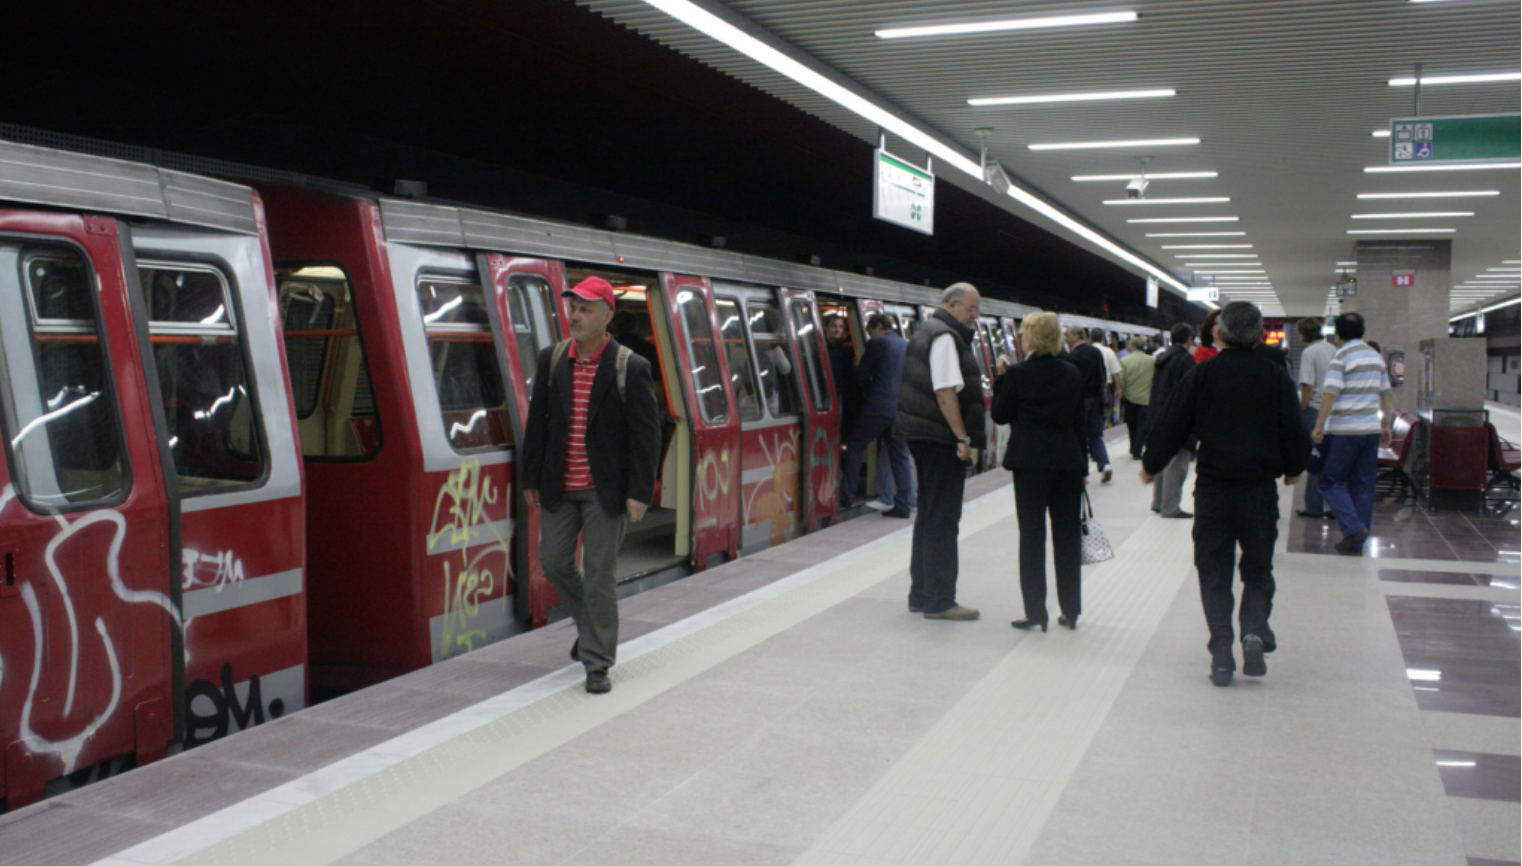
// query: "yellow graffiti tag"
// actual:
[[462, 502]]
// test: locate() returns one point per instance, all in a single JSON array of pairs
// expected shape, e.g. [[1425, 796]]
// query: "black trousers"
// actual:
[[1038, 493], [1224, 519], [1136, 419], [933, 560]]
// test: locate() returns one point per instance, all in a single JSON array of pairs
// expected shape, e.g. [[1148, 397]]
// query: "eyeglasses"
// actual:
[[971, 308]]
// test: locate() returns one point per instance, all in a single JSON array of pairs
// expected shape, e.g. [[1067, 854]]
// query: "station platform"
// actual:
[[786, 709]]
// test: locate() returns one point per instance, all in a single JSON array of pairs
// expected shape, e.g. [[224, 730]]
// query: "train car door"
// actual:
[[1012, 347], [983, 350], [225, 408], [707, 437], [87, 609], [819, 485], [527, 302]]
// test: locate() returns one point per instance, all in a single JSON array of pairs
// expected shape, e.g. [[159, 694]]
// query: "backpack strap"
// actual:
[[557, 353]]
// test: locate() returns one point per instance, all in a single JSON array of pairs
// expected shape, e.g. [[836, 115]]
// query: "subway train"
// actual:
[[259, 438]]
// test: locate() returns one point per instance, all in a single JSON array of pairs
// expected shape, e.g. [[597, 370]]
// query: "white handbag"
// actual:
[[1093, 545]]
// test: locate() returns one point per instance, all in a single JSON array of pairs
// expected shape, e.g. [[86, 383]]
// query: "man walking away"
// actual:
[[880, 377], [1314, 362], [1091, 369], [1352, 425], [591, 450], [1245, 411], [940, 414], [1168, 370], [1136, 370]]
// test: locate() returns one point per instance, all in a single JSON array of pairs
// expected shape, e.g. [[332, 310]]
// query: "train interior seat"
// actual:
[[330, 381]]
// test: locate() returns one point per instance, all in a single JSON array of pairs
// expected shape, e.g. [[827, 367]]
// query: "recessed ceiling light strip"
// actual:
[[1195, 234], [1211, 200], [1384, 169], [1408, 216], [1173, 175], [1040, 99], [1428, 80], [1454, 194], [969, 27], [1094, 145], [1185, 220], [1400, 231]]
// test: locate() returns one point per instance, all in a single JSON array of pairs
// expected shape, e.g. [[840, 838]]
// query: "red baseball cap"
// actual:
[[592, 289]]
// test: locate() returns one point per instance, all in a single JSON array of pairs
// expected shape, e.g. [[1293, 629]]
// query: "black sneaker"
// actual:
[[1252, 656], [1353, 544], [576, 650], [1218, 676], [897, 512], [598, 683]]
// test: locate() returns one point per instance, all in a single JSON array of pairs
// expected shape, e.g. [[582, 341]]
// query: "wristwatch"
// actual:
[[965, 440]]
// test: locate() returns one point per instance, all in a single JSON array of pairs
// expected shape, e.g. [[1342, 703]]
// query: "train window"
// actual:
[[742, 376], [531, 305], [808, 343], [56, 399], [704, 358], [208, 401], [977, 352], [328, 368], [465, 370], [774, 360]]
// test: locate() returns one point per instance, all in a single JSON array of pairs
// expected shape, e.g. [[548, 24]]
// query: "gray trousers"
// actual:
[[590, 593], [1168, 487]]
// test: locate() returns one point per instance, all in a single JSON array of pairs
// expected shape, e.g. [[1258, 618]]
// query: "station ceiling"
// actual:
[[1283, 96]]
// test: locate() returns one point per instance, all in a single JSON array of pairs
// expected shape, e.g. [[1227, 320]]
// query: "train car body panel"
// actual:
[[821, 418]]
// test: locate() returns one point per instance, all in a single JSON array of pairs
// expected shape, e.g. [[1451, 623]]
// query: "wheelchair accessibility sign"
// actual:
[[1486, 138]]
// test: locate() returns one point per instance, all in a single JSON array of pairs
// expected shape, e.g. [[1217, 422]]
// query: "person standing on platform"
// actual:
[[1042, 401], [880, 377], [1352, 425], [1155, 344], [940, 415], [1111, 373], [1136, 370], [837, 338], [591, 451], [1207, 347], [1169, 368], [1314, 362], [1246, 413], [1091, 369]]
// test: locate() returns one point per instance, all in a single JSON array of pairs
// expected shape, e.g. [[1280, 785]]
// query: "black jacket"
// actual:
[[1168, 369], [919, 415], [1091, 368], [623, 438], [1042, 401], [1246, 413]]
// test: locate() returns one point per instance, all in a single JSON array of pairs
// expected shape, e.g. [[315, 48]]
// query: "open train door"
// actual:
[[821, 427], [707, 440], [526, 314]]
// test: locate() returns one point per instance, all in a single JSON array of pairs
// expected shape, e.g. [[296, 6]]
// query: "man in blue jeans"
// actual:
[[1314, 362], [1351, 426]]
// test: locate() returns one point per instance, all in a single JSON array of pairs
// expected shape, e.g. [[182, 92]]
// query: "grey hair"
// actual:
[[1136, 343], [1241, 325], [956, 292]]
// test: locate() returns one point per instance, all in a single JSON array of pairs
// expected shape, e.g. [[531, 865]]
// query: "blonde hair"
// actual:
[[1041, 334]]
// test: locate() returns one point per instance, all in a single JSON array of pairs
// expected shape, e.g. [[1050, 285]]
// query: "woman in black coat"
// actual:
[[1042, 401]]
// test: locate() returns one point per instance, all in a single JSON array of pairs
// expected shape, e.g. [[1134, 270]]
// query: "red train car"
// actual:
[[151, 517]]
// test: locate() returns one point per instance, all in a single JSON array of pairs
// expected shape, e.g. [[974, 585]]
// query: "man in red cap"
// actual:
[[591, 451]]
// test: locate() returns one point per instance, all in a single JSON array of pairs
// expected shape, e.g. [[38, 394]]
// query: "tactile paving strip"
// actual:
[[333, 812]]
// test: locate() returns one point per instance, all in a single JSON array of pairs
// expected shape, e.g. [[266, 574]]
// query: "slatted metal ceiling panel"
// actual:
[[1284, 94]]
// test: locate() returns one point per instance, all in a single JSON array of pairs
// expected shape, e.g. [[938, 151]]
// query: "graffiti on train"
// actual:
[[774, 501], [461, 523], [58, 617], [218, 709], [215, 570]]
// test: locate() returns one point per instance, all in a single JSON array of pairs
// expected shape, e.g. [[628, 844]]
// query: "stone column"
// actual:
[[1400, 318]]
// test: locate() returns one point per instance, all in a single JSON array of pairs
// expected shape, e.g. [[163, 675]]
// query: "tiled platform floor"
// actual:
[[1405, 531]]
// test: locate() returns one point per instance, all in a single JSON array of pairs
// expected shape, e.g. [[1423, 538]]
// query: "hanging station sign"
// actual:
[[903, 194], [1473, 138], [1152, 292]]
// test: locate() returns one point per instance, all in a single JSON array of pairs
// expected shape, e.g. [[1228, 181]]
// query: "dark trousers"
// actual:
[[589, 592], [1095, 411], [1225, 518], [1313, 500], [1347, 480], [933, 560], [1136, 420], [879, 427], [1039, 492]]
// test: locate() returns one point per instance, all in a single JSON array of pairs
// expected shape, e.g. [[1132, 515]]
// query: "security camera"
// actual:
[[1137, 188]]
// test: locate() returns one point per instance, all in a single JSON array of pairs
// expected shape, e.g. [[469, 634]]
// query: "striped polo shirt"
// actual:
[[1356, 377], [578, 472]]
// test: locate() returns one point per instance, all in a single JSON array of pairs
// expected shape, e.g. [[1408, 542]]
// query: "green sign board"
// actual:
[[1467, 138]]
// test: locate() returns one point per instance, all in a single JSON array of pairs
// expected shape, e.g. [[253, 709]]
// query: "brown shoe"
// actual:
[[956, 612]]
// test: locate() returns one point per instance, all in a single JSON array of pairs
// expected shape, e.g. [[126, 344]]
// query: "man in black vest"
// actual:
[[940, 415]]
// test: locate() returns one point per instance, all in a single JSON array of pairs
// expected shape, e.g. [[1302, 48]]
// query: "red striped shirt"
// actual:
[[578, 472]]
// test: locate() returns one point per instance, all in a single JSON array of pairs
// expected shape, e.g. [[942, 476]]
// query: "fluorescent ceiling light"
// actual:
[[1206, 246], [1089, 145], [1174, 175], [1512, 262], [1457, 79], [1400, 231], [1195, 234], [1381, 169], [1216, 256], [1507, 270], [1213, 200], [1072, 97], [995, 26], [736, 37], [1469, 194], [1185, 220], [1347, 263], [1216, 273], [1381, 133], [1405, 216]]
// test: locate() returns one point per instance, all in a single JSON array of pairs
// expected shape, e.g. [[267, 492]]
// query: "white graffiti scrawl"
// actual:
[[68, 749]]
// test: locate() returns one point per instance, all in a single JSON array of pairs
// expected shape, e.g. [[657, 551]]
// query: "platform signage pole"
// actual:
[[903, 194]]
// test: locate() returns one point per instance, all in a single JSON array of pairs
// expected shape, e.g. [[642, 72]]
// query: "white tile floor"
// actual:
[[817, 722]]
